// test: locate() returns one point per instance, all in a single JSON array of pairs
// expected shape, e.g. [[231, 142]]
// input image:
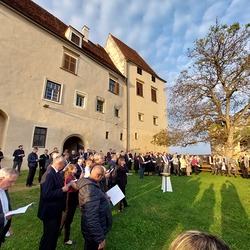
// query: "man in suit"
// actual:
[[87, 154], [81, 153], [43, 158], [52, 203], [73, 157], [109, 155], [7, 180], [129, 160], [80, 168]]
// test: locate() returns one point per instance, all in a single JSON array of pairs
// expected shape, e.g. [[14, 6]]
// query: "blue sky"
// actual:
[[161, 31]]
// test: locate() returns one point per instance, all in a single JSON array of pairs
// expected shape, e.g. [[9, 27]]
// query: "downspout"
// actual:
[[128, 105]]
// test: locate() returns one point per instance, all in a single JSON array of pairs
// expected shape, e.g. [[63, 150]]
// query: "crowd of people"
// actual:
[[68, 180], [166, 163], [224, 166]]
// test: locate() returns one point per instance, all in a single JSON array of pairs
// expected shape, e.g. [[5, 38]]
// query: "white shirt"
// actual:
[[55, 169], [87, 172], [5, 203]]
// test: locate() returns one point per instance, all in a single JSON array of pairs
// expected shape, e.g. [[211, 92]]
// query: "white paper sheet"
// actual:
[[115, 194], [71, 182], [20, 210]]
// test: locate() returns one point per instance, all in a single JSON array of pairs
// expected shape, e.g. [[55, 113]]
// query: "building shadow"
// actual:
[[235, 224]]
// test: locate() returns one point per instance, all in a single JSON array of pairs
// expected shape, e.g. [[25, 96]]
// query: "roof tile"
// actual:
[[45, 19]]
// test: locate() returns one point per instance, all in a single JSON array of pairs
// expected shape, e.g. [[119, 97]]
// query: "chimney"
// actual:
[[85, 32]]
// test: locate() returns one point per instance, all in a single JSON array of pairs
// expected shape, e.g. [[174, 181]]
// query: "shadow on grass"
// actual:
[[234, 219], [203, 207], [159, 215]]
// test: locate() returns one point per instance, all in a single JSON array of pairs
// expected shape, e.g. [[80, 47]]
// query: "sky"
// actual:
[[161, 31]]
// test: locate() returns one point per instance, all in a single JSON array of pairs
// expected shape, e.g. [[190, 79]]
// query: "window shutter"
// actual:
[[117, 88]]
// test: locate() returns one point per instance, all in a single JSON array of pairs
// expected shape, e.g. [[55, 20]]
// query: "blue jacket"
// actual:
[[32, 157]]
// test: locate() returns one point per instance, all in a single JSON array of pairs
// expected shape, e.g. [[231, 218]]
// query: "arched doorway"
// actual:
[[73, 143], [3, 122]]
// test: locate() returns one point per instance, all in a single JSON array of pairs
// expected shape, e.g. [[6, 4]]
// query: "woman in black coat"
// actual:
[[136, 163], [121, 181]]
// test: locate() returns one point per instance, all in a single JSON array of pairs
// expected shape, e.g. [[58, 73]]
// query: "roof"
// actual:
[[45, 19], [131, 55]]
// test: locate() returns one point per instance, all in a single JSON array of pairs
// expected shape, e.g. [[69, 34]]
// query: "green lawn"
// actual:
[[220, 205]]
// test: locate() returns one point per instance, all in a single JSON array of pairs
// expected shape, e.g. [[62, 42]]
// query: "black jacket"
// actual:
[[121, 177], [16, 154], [52, 198], [96, 211]]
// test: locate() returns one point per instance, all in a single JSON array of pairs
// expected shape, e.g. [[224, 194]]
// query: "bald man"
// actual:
[[95, 207], [7, 180]]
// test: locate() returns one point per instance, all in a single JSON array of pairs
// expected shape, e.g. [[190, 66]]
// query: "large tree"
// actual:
[[210, 101]]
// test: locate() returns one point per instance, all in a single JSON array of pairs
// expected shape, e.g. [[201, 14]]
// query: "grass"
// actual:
[[217, 204]]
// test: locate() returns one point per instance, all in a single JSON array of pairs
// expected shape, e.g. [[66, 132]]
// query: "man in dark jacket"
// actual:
[[32, 164], [52, 203], [18, 158], [95, 207], [42, 161]]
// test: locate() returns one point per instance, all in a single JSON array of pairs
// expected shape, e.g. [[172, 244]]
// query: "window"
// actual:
[[80, 100], [113, 86], [74, 36], [155, 120], [100, 105], [140, 117], [107, 135], [121, 136], [75, 39], [139, 89], [136, 136], [116, 112], [139, 71], [39, 137], [52, 91], [69, 63], [153, 95], [153, 78]]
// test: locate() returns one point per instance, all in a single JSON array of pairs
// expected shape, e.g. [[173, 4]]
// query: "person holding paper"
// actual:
[[32, 164], [7, 180], [142, 164], [18, 158], [112, 167], [95, 207], [71, 202], [52, 203], [121, 181]]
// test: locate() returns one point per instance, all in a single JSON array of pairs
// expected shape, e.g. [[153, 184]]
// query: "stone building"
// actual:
[[60, 89]]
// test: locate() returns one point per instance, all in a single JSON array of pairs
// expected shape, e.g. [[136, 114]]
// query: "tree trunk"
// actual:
[[229, 144]]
